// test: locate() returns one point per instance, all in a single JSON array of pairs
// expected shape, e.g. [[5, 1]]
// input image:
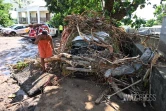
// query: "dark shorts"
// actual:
[[61, 31]]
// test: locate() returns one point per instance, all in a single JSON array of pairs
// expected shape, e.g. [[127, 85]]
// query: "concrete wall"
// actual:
[[159, 88], [158, 75]]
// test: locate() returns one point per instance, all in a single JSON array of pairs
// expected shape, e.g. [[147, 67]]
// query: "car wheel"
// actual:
[[12, 33]]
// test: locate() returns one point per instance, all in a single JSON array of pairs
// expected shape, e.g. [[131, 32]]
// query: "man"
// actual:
[[60, 29], [45, 47]]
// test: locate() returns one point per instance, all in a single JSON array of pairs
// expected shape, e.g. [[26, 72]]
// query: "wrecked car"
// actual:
[[81, 44]]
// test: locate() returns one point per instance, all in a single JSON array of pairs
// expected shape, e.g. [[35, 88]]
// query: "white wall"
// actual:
[[43, 14], [22, 14], [33, 14], [19, 14]]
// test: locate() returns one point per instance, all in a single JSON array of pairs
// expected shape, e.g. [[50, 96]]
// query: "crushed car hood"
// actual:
[[102, 35]]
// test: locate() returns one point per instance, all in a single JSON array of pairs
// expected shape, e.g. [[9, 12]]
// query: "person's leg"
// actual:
[[43, 64], [60, 32]]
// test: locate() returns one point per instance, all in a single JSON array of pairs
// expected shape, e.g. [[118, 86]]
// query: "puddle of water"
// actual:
[[14, 55]]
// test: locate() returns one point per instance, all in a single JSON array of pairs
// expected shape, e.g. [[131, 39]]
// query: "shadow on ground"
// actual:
[[79, 95]]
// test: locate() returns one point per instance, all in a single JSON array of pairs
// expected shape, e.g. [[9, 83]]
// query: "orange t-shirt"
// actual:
[[45, 49]]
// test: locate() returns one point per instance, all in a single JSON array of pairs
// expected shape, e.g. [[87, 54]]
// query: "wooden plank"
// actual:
[[79, 69]]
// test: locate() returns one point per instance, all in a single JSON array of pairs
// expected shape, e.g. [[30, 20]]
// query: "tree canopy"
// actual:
[[5, 19], [160, 12], [114, 9], [150, 23]]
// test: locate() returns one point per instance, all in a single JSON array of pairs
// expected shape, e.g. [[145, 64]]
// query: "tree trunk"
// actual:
[[109, 5], [121, 11], [118, 15]]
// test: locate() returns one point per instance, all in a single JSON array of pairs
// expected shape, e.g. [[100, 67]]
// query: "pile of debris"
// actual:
[[91, 44]]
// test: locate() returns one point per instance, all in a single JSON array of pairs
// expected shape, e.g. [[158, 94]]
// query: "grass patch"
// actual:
[[20, 65]]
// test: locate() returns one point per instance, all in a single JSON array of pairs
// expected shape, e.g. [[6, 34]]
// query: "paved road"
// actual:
[[6, 43], [14, 49]]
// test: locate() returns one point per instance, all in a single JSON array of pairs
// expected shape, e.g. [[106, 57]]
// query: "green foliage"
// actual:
[[138, 23], [127, 21], [15, 21], [150, 23], [126, 8], [21, 65], [135, 22], [159, 13], [5, 19], [115, 9], [62, 8], [57, 20]]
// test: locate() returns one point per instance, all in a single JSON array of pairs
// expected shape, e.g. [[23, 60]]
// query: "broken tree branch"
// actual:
[[98, 100], [124, 88], [120, 93], [125, 59]]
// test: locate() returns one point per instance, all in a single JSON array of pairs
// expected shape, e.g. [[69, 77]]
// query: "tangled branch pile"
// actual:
[[110, 62], [91, 22]]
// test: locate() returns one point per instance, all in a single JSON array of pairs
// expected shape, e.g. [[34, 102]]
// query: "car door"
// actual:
[[19, 29]]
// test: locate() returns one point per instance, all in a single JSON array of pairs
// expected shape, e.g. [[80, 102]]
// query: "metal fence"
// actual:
[[23, 20]]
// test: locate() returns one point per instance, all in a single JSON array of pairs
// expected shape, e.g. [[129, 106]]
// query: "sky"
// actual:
[[147, 12]]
